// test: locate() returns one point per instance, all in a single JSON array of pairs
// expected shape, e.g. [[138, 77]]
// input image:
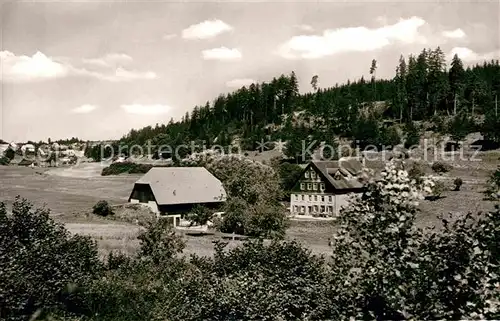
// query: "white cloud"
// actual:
[[125, 75], [84, 109], [305, 27], [26, 68], [468, 55], [109, 60], [354, 39], [169, 36], [118, 75], [454, 34], [40, 67], [139, 109], [240, 82], [221, 53], [206, 29]]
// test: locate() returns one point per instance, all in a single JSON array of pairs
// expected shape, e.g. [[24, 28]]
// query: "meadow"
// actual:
[[70, 194]]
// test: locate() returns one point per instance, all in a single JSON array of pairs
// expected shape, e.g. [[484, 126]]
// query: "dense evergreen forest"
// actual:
[[424, 88]]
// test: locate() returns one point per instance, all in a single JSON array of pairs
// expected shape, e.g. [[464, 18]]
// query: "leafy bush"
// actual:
[[458, 183], [102, 208], [412, 135], [289, 174], [367, 132], [493, 188], [259, 220], [199, 215], [417, 173], [390, 137], [390, 269], [460, 126], [440, 167], [126, 167], [437, 190], [41, 263], [159, 242], [280, 281]]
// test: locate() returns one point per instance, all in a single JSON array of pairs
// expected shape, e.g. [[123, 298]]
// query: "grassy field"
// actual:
[[70, 193]]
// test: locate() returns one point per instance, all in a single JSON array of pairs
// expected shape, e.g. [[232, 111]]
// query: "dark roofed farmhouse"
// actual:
[[176, 190]]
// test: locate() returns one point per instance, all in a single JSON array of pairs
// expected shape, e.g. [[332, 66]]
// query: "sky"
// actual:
[[96, 69]]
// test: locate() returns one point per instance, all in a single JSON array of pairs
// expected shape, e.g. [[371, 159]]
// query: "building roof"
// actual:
[[348, 172], [183, 185]]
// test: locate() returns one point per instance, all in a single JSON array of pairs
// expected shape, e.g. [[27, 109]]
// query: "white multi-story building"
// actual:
[[325, 186]]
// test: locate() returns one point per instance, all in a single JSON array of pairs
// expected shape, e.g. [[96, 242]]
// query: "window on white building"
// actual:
[[296, 197], [310, 198], [315, 186], [315, 198], [330, 209], [309, 186], [322, 198], [315, 208], [329, 199], [306, 174], [313, 174], [322, 186], [295, 208], [322, 210], [302, 186], [302, 197]]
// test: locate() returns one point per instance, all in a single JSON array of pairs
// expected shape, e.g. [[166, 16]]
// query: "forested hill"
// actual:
[[423, 87]]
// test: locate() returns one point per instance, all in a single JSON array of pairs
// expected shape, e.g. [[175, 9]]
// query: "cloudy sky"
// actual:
[[96, 69]]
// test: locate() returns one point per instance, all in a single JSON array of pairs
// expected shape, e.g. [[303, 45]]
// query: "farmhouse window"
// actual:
[[309, 186], [302, 186], [322, 186], [315, 186], [306, 174], [313, 174]]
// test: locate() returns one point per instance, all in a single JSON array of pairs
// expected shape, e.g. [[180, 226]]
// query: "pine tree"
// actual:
[[456, 78]]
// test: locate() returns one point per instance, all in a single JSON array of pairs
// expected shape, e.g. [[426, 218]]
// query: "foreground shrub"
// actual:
[[159, 242], [440, 167], [391, 269], [280, 281], [102, 208], [41, 264]]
